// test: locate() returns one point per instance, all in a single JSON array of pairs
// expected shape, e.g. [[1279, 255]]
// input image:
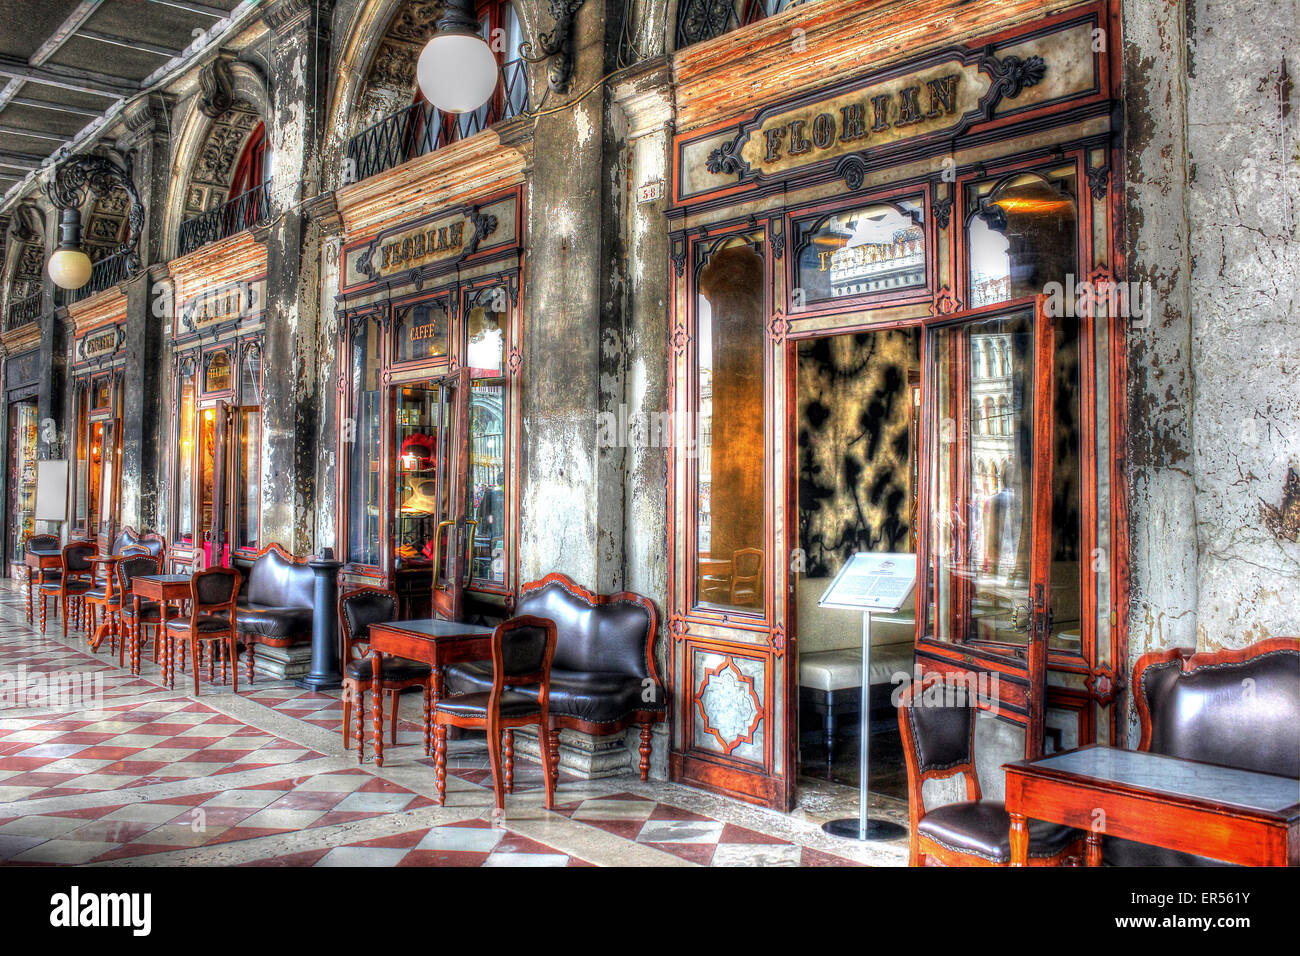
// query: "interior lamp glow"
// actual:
[[69, 267], [457, 70]]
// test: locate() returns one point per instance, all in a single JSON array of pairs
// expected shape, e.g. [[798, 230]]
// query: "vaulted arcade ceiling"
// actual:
[[64, 63]]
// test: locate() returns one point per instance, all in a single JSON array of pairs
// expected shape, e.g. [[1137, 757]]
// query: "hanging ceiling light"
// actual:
[[69, 267], [457, 70]]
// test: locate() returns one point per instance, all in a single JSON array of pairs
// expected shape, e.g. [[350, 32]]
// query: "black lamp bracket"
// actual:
[[556, 46], [97, 174]]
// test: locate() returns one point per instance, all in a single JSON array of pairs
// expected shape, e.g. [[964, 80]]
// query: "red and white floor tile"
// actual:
[[101, 767]]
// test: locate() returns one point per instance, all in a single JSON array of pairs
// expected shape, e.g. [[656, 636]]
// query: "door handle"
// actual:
[[437, 549], [469, 551]]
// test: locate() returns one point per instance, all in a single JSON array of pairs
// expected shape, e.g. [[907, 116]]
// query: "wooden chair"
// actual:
[[134, 619], [358, 609], [37, 577], [76, 577], [939, 742], [522, 649], [212, 618], [746, 571]]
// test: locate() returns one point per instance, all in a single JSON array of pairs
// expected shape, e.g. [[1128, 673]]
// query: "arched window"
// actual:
[[1004, 416], [250, 171]]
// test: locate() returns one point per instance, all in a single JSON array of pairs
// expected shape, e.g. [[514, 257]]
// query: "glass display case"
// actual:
[[22, 476]]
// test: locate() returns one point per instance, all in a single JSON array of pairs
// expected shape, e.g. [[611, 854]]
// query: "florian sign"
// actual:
[[941, 98], [98, 344], [426, 244], [225, 303]]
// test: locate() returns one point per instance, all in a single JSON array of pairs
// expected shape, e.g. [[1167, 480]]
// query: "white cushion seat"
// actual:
[[842, 669]]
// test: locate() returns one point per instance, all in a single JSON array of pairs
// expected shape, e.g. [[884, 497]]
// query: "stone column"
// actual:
[[299, 80], [142, 419]]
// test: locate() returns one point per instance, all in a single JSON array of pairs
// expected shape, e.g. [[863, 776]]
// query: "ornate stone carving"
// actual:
[[217, 85]]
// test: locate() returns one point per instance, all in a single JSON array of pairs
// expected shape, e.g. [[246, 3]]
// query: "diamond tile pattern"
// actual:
[[99, 766]]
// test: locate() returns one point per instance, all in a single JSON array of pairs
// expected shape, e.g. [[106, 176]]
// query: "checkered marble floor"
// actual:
[[99, 767]]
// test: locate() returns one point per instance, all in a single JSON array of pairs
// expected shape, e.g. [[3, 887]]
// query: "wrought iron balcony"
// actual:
[[23, 311], [243, 212], [699, 20], [108, 271], [421, 128]]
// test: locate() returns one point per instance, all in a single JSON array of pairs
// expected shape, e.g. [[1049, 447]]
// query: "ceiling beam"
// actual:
[[154, 48], [20, 160], [69, 78], [202, 9], [58, 107], [33, 133], [64, 31]]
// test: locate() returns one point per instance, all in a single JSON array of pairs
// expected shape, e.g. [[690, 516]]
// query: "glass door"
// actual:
[[987, 532], [213, 478], [455, 532]]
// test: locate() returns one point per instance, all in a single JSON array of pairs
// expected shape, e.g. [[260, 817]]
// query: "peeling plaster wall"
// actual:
[[1214, 410], [1244, 196]]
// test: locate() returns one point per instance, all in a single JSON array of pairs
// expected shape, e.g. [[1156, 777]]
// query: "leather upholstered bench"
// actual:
[[1238, 708], [276, 607], [603, 675]]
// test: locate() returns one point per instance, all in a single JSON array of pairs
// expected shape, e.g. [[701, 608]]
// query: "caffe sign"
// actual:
[[941, 98]]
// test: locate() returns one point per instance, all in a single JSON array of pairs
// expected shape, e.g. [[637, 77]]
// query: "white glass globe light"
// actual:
[[69, 268], [457, 72]]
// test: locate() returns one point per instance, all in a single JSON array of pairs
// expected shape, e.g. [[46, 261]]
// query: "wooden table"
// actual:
[[1237, 816], [433, 642], [37, 560], [165, 589], [110, 563]]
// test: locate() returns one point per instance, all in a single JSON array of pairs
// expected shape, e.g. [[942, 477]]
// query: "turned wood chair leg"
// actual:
[[428, 718], [440, 762], [553, 744], [44, 605], [396, 698], [510, 761], [64, 600], [361, 723], [347, 714], [647, 737], [249, 651]]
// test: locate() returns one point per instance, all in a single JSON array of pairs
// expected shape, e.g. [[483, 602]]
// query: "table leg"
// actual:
[[1094, 848], [29, 594], [1019, 840], [377, 702], [167, 650]]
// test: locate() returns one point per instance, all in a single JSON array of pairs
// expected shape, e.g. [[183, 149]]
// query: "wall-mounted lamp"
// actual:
[[458, 72], [73, 178]]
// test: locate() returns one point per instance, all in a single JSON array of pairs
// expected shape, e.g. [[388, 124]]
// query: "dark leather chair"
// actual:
[[277, 609], [76, 577], [35, 577], [522, 651], [939, 742], [358, 609], [213, 594], [1238, 708], [136, 614], [604, 678]]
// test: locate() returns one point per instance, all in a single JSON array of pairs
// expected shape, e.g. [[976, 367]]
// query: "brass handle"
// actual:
[[437, 549], [469, 551]]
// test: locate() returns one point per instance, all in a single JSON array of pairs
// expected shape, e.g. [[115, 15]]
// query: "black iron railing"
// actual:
[[108, 271], [22, 311], [243, 212], [699, 20], [422, 128]]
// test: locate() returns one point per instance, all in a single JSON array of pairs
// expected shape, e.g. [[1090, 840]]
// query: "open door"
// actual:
[[214, 429], [983, 607], [454, 534]]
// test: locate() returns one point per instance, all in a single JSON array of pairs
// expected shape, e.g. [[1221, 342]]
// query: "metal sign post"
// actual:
[[881, 582]]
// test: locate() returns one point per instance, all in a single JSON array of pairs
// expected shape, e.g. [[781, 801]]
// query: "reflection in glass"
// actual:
[[876, 249], [207, 469], [487, 325], [217, 376], [981, 492], [729, 469], [363, 467], [248, 481], [487, 469], [1067, 472], [1022, 235], [185, 460], [418, 494], [421, 331]]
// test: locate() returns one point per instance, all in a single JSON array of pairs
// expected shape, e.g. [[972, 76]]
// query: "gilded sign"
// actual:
[[941, 98], [97, 344], [420, 247], [447, 239]]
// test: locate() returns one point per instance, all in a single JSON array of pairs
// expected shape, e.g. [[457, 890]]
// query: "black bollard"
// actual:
[[324, 674]]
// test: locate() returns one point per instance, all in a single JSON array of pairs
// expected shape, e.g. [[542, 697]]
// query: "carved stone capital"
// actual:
[[287, 16]]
